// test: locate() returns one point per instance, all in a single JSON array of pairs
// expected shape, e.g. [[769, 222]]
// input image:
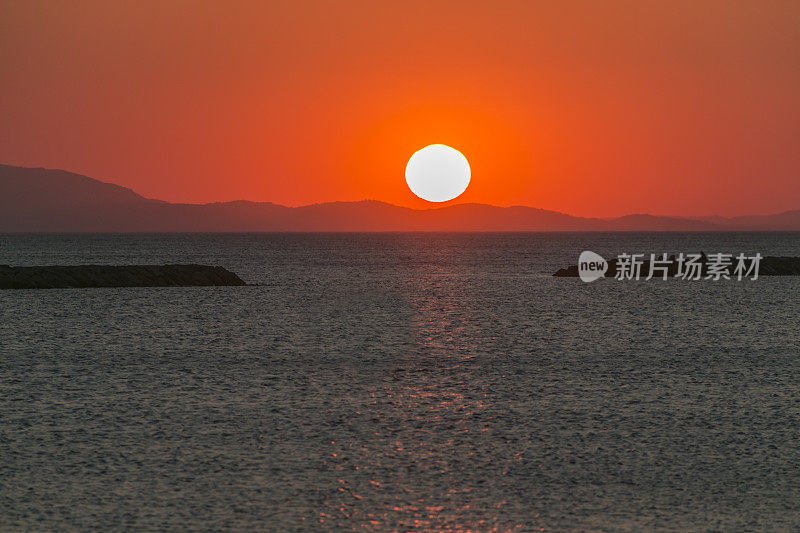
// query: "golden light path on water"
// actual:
[[433, 421]]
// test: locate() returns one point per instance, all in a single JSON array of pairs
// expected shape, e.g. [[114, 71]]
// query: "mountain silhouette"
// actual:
[[43, 200]]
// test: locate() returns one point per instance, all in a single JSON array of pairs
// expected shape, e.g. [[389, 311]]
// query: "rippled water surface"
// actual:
[[410, 382]]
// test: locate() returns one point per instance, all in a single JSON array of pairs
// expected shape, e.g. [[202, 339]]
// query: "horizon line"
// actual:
[[437, 206]]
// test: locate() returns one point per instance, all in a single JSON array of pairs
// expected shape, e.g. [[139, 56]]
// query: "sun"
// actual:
[[437, 173]]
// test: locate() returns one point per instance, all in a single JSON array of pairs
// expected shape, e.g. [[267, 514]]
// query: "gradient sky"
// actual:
[[590, 108]]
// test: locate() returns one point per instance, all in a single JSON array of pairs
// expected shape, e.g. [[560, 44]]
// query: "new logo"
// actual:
[[591, 266]]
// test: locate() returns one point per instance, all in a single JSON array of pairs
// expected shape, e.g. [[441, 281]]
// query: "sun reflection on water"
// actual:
[[433, 421]]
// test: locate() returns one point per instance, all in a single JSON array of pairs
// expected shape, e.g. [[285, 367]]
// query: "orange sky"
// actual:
[[591, 108]]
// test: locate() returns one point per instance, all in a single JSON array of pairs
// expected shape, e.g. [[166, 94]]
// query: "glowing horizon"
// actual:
[[596, 111]]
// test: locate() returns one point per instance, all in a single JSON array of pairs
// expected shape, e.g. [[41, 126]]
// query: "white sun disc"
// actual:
[[437, 173]]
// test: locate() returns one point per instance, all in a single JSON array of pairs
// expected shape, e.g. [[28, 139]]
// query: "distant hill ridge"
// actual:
[[43, 200]]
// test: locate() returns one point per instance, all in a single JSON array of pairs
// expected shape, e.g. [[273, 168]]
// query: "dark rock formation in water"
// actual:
[[58, 277], [768, 266]]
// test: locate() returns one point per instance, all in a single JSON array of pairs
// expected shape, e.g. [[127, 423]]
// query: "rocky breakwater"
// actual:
[[768, 266], [78, 276]]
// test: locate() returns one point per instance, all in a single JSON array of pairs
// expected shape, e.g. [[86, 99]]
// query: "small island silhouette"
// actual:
[[768, 266]]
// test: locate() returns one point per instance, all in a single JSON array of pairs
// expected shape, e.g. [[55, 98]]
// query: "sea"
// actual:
[[400, 382]]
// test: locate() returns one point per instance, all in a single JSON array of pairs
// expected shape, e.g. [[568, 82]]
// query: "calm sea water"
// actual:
[[409, 382]]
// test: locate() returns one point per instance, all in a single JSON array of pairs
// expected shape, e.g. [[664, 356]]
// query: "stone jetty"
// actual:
[[768, 266], [78, 276]]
